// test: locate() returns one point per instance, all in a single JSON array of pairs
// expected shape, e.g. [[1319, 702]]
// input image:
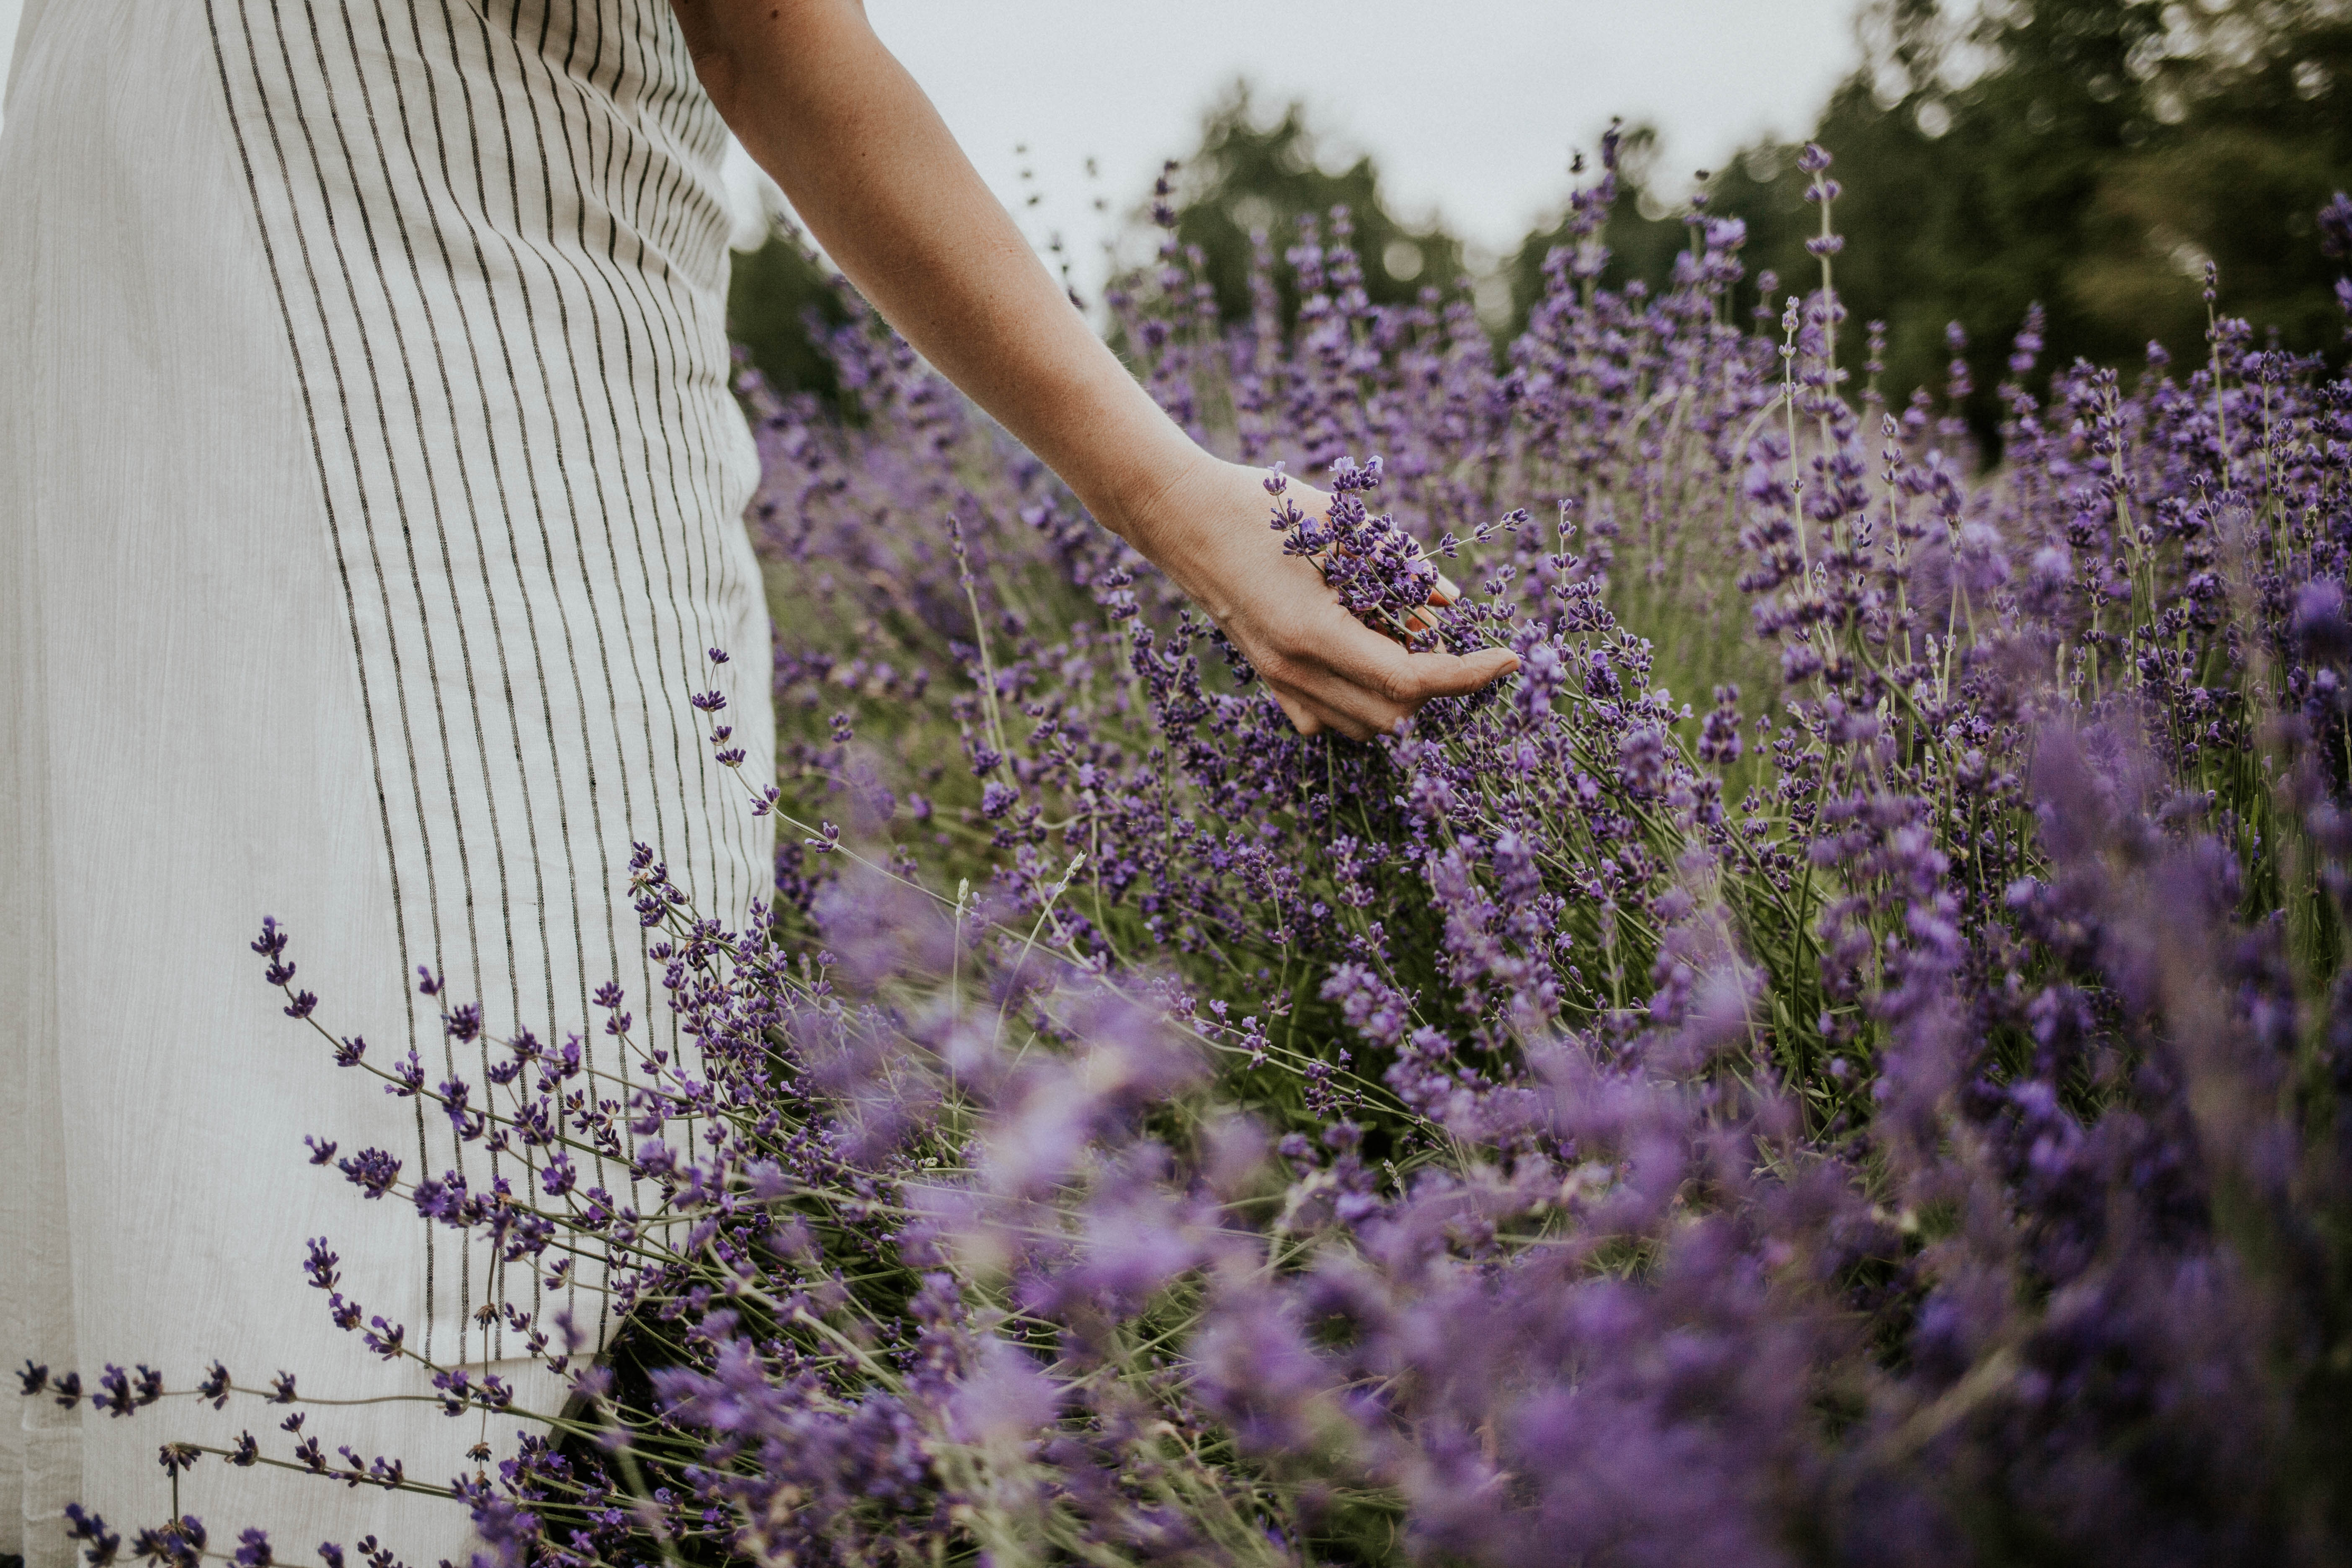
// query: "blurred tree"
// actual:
[[2090, 155], [2257, 96], [770, 297], [1250, 177], [1246, 176]]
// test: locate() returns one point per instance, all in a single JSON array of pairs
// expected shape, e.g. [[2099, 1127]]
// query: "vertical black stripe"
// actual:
[[582, 87], [659, 282], [419, 296], [328, 208], [566, 339], [689, 668], [424, 443], [501, 486], [553, 584], [429, 605], [451, 192], [601, 843], [334, 532], [684, 733]]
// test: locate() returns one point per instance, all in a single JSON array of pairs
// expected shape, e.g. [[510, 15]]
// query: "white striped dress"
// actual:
[[370, 489]]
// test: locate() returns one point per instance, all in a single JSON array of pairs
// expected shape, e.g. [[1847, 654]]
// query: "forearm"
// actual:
[[875, 175], [878, 179]]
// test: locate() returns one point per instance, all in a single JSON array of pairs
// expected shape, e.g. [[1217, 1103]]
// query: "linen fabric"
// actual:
[[371, 491]]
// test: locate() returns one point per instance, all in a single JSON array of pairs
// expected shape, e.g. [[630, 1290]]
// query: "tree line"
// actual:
[[2089, 156]]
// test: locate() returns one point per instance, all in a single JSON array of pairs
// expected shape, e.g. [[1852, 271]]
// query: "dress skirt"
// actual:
[[370, 494]]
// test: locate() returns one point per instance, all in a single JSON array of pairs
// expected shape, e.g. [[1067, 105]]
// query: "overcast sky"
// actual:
[[1471, 107]]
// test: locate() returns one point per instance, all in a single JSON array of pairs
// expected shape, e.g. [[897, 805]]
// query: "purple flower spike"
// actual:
[[99, 1544], [272, 943]]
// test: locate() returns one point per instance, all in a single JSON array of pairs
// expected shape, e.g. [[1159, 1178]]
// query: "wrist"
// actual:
[[1194, 526], [1153, 503], [1143, 470]]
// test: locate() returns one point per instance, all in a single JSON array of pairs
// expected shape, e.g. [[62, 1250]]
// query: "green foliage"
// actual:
[[770, 299], [1252, 178], [2090, 155]]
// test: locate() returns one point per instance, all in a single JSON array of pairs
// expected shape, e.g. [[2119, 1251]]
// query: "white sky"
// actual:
[[1471, 107]]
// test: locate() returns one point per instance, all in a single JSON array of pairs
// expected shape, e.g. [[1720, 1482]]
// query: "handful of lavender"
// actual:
[[1380, 572]]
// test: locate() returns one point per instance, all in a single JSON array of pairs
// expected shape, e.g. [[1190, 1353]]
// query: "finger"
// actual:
[[1386, 700], [1310, 716], [1303, 719], [1349, 725], [1423, 619], [1379, 667], [1356, 713], [1457, 675], [1331, 716], [1446, 592]]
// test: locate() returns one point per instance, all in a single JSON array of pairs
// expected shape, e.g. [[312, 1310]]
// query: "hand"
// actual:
[[1209, 529]]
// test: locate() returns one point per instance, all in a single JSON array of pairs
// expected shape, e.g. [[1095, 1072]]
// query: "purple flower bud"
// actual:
[[2336, 226], [1004, 1398], [1641, 760], [318, 1263], [2319, 621]]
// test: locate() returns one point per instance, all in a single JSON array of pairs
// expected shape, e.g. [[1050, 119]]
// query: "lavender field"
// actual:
[[1845, 1058]]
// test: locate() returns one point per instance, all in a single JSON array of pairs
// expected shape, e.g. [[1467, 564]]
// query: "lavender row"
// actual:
[[1887, 1103]]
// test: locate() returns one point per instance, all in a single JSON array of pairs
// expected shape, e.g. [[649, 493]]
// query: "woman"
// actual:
[[373, 488]]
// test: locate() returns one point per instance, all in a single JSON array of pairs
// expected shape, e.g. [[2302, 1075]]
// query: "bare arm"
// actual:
[[871, 170]]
